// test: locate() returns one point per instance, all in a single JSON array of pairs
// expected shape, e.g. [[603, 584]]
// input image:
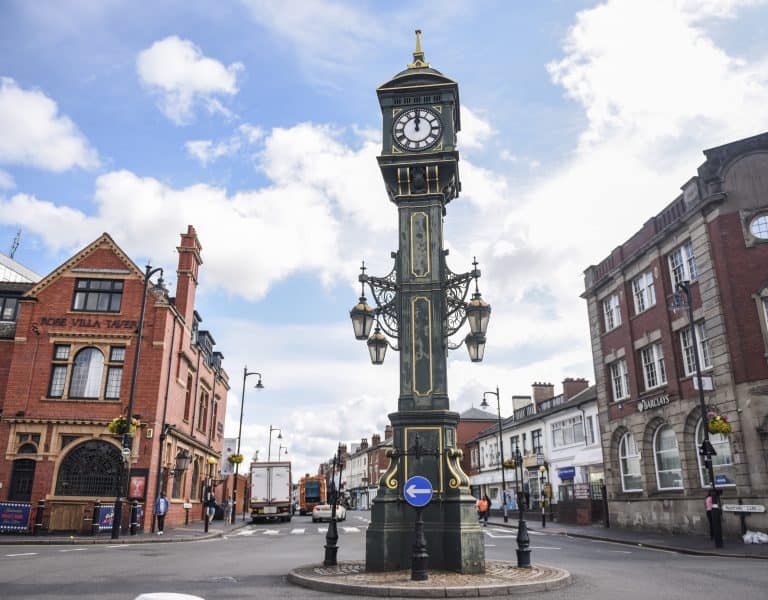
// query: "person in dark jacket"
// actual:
[[161, 509]]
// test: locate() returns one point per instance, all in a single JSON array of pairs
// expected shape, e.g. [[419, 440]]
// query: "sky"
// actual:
[[257, 122]]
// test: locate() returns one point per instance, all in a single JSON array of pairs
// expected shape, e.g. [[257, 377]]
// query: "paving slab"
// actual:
[[500, 578]]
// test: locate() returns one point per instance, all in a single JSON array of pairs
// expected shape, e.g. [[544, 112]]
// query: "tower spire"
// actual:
[[418, 54]]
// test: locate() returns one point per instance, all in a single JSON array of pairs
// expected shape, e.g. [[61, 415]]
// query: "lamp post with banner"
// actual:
[[682, 302]]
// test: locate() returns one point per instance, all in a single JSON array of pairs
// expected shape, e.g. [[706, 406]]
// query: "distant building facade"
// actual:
[[68, 376], [714, 235]]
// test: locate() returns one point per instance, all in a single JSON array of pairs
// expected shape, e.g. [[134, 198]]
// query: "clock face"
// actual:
[[417, 129]]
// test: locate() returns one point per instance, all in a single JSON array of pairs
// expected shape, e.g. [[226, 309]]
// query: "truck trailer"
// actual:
[[270, 491], [312, 491]]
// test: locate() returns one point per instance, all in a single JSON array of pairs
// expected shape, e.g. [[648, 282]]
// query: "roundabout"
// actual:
[[501, 578]]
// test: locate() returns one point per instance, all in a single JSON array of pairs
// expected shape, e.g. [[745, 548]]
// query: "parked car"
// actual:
[[322, 512]]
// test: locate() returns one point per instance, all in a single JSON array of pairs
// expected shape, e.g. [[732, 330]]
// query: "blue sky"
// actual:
[[257, 122]]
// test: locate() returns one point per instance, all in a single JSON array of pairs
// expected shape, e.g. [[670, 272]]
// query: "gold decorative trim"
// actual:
[[426, 231], [453, 461], [439, 430], [413, 345], [389, 474]]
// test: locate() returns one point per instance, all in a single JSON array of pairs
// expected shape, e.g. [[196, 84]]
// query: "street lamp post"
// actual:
[[279, 437], [523, 539], [127, 441], [484, 404], [542, 483], [706, 449], [258, 386]]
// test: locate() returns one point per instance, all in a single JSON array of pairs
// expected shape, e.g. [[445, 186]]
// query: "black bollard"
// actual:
[[420, 559], [39, 517], [523, 545], [134, 517], [95, 518], [606, 516]]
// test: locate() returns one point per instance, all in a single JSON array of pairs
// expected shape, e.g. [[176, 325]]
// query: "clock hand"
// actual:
[[417, 121]]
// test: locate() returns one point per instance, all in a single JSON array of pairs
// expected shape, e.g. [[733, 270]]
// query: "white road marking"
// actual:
[[22, 554], [297, 531], [271, 532], [620, 551], [363, 519], [490, 545], [351, 529], [118, 546], [73, 550], [246, 532], [493, 535], [322, 530], [544, 548]]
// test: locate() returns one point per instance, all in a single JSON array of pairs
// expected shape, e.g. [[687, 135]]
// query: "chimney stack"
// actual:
[[364, 444], [388, 432], [572, 386], [375, 440], [542, 391], [189, 264]]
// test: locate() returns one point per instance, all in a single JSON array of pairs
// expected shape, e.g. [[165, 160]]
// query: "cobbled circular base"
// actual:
[[500, 578]]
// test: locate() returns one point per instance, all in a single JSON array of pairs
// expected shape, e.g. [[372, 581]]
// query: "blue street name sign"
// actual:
[[418, 491], [721, 480]]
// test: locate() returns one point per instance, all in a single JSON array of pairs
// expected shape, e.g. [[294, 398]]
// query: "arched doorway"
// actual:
[[23, 475]]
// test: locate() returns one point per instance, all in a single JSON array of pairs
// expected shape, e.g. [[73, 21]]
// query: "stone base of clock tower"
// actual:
[[455, 540]]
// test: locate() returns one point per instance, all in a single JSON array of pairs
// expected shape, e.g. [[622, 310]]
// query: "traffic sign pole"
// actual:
[[418, 493]]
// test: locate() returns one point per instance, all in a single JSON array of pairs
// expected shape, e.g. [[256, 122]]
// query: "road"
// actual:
[[252, 563]]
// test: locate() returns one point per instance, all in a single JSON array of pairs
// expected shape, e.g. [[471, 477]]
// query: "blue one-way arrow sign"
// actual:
[[418, 491]]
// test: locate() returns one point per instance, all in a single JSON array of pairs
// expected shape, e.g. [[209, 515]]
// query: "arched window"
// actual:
[[86, 374], [629, 463], [722, 462], [669, 474], [90, 469]]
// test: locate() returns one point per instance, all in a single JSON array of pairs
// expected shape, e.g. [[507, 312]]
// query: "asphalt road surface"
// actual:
[[252, 563]]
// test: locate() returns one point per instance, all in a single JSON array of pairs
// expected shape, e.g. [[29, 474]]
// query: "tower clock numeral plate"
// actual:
[[417, 129]]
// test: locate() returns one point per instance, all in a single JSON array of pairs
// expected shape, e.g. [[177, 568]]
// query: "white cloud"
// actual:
[[475, 130], [208, 151], [311, 215], [35, 134], [6, 181], [183, 77]]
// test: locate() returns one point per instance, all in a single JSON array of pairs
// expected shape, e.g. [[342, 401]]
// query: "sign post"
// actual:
[[418, 493]]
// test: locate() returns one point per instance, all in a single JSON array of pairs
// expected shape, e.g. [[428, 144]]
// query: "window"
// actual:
[[92, 468], [86, 374], [202, 412], [188, 398], [214, 417], [514, 443], [612, 312], [591, 430], [536, 441], [58, 371], [654, 372], [722, 462], [567, 432], [643, 292], [682, 264], [115, 372], [669, 474], [98, 295], [620, 380], [686, 341], [8, 307], [629, 463], [759, 227]]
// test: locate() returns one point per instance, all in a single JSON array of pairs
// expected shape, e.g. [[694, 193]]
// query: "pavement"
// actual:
[[192, 532], [699, 545]]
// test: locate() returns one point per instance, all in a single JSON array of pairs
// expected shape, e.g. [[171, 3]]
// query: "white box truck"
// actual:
[[271, 488]]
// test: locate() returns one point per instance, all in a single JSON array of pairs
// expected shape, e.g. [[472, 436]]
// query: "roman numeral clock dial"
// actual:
[[417, 129]]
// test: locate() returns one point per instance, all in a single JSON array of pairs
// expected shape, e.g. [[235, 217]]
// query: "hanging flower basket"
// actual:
[[718, 424], [118, 425], [509, 464], [235, 459]]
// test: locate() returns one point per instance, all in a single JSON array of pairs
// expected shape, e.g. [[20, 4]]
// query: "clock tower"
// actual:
[[421, 303]]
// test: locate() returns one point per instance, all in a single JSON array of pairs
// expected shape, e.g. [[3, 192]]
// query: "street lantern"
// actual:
[[377, 346], [478, 314], [362, 314], [475, 346], [183, 458]]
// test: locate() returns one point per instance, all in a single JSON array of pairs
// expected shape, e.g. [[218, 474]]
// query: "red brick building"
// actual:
[[715, 235], [69, 375]]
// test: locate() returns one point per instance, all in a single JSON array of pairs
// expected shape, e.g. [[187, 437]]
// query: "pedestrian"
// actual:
[[161, 509], [708, 502], [228, 509], [483, 508], [210, 507]]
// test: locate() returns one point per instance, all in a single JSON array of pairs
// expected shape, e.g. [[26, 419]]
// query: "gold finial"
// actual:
[[418, 54]]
